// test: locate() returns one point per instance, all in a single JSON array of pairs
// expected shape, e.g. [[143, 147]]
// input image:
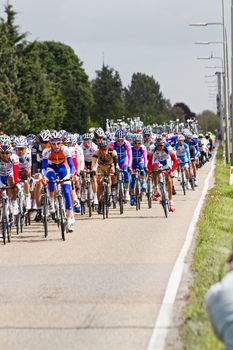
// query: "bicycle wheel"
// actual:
[[4, 223], [137, 194], [121, 199], [62, 218], [45, 214], [106, 204], [103, 206], [164, 199], [17, 223], [89, 204], [149, 194], [83, 207], [183, 181]]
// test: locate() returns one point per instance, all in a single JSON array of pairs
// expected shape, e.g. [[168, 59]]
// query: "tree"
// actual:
[[208, 121], [64, 69], [144, 98], [12, 119], [108, 95], [186, 110]]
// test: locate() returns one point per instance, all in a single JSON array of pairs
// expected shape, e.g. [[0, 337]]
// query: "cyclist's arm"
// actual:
[[44, 167], [94, 162], [71, 165], [16, 172], [144, 154], [174, 161], [129, 154]]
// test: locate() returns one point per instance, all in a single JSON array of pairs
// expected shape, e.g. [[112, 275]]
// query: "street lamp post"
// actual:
[[226, 111]]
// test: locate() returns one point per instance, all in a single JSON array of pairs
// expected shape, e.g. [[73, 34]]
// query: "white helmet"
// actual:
[[21, 141], [181, 138]]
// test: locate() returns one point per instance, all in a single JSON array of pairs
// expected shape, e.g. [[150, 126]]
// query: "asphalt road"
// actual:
[[101, 288]]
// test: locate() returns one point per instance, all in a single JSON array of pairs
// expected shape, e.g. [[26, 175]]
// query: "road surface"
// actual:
[[101, 289]]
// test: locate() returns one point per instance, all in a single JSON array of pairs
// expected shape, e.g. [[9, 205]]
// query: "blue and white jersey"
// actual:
[[182, 152]]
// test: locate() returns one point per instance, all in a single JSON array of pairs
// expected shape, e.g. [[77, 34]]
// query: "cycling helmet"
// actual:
[[189, 136], [195, 136], [44, 136], [120, 134], [181, 138], [99, 132], [137, 139], [200, 136], [21, 141], [160, 140], [87, 136], [56, 136], [129, 136], [5, 144], [147, 130], [69, 139], [103, 144]]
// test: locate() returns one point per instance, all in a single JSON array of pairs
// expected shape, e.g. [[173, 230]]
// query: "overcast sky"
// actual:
[[150, 36]]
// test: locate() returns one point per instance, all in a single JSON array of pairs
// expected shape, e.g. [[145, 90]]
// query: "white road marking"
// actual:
[[163, 322]]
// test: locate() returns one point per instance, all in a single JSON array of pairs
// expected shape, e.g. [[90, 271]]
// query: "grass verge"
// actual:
[[214, 241]]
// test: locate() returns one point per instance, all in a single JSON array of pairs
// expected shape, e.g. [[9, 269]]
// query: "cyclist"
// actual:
[[25, 162], [165, 157], [9, 170], [193, 148], [124, 152], [70, 141], [41, 142], [104, 160], [57, 162], [183, 155], [99, 135], [139, 161], [89, 148]]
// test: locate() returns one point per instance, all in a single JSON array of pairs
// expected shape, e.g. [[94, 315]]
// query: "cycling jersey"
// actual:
[[139, 156], [166, 157], [25, 161], [11, 167], [59, 164], [124, 153], [104, 162], [182, 152], [193, 147], [88, 152]]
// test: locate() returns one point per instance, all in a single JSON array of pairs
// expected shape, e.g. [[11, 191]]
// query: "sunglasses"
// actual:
[[6, 152], [137, 143], [56, 143]]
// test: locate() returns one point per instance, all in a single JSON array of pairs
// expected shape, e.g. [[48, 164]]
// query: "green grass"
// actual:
[[214, 241]]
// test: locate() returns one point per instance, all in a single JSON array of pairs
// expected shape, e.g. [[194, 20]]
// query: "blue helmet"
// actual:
[[120, 134]]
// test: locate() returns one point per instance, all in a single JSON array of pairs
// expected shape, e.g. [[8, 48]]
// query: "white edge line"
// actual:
[[158, 338]]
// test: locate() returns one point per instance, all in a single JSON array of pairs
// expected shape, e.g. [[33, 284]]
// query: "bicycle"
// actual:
[[149, 191], [183, 178], [120, 190], [163, 191], [6, 216], [45, 208], [23, 216], [86, 195], [60, 212], [138, 196], [105, 196]]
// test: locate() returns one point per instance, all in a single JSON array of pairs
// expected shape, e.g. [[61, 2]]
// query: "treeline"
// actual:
[[44, 85]]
